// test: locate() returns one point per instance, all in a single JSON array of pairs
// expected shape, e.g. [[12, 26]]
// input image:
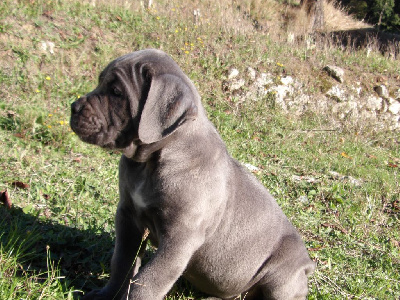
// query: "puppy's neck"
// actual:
[[144, 152]]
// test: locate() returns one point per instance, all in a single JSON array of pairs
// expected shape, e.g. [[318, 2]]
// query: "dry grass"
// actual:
[[245, 16], [337, 19]]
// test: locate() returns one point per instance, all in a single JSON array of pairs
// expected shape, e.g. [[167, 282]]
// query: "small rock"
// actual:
[[308, 179], [251, 167], [354, 181], [397, 94], [232, 73], [234, 84], [281, 92], [334, 174], [264, 79], [382, 91], [287, 80], [373, 103], [368, 115], [343, 109], [303, 199], [290, 38], [47, 46], [335, 72], [351, 180], [337, 93], [251, 73], [394, 108], [357, 89]]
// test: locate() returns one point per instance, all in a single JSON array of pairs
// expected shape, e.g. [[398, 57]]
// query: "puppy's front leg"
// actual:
[[157, 277], [127, 243]]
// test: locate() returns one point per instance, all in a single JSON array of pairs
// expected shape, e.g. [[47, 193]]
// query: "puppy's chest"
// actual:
[[139, 197]]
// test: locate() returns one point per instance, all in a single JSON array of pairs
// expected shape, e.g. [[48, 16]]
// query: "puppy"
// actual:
[[211, 221]]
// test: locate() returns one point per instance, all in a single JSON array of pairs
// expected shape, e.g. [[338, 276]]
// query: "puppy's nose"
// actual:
[[77, 106]]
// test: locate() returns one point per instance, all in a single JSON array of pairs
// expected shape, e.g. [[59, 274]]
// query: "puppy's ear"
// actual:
[[170, 102]]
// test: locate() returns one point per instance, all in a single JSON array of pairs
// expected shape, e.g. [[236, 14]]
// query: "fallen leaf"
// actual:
[[396, 205], [19, 135], [344, 154], [76, 159], [5, 199], [20, 184], [392, 165]]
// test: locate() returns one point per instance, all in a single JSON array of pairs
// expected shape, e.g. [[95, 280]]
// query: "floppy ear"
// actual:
[[170, 102]]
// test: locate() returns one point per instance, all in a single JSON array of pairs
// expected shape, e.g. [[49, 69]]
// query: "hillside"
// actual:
[[327, 149]]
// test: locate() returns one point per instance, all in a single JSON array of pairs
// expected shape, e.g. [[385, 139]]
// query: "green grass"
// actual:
[[57, 239]]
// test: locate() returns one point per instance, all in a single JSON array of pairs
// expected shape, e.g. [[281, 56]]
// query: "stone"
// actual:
[[281, 92], [235, 84], [373, 103], [47, 46], [357, 89], [368, 115], [264, 79], [394, 107], [351, 180], [397, 94], [335, 72], [337, 93], [251, 168], [233, 73], [287, 80], [382, 91], [342, 109], [251, 73], [303, 199]]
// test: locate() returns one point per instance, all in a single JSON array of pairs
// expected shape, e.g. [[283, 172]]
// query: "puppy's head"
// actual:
[[141, 98]]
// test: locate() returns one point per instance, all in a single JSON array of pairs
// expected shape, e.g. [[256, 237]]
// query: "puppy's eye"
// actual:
[[116, 91]]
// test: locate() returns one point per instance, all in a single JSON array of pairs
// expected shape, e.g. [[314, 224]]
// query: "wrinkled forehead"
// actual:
[[156, 61]]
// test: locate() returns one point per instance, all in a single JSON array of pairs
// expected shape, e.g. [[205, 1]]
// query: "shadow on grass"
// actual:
[[82, 256], [384, 42]]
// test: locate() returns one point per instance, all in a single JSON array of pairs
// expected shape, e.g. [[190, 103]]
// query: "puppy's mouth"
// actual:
[[95, 124], [90, 130], [90, 124]]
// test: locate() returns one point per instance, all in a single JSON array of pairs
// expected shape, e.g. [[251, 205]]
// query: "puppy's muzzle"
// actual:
[[77, 106]]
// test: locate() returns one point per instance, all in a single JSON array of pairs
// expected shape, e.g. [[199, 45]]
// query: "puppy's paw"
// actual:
[[99, 295]]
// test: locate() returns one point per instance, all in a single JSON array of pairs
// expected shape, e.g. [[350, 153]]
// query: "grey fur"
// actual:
[[210, 219]]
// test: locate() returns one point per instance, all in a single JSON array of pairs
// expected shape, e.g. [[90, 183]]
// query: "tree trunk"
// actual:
[[315, 11]]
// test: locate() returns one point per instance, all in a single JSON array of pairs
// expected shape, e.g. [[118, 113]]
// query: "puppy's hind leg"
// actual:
[[294, 288], [290, 267]]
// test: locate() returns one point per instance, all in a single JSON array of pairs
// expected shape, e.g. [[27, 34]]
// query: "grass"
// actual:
[[57, 239]]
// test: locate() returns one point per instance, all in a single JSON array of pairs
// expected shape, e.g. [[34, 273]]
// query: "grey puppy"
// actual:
[[211, 221]]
